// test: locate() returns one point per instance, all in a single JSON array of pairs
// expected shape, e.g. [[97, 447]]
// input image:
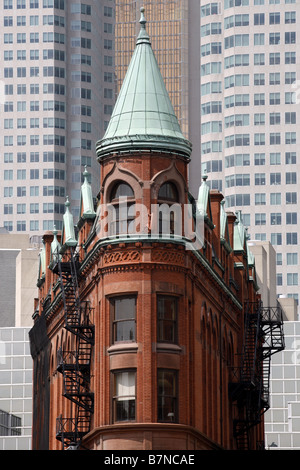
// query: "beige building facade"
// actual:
[[18, 279]]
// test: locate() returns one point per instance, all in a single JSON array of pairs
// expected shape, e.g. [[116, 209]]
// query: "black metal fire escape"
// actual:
[[75, 366], [249, 387]]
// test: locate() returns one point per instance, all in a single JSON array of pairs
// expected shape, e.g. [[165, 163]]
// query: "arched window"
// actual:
[[168, 192], [121, 190], [168, 197], [122, 210]]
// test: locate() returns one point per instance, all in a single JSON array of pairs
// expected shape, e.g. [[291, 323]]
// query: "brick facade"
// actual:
[[167, 320], [211, 292]]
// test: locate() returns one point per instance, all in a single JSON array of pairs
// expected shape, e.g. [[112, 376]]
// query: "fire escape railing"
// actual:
[[75, 366], [250, 382]]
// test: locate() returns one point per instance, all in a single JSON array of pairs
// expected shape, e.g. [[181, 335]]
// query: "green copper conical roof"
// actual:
[[143, 116]]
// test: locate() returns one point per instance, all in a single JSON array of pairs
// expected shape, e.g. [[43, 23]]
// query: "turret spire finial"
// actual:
[[142, 19], [205, 175], [143, 37]]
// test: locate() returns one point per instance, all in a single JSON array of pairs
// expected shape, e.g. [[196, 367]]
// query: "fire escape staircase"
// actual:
[[250, 382], [75, 366]]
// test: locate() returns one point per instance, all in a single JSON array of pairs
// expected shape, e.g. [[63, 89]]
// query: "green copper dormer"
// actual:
[[239, 233], [203, 201], [68, 232], [223, 221], [54, 249], [251, 262], [250, 255], [224, 231], [143, 116], [42, 263], [86, 198]]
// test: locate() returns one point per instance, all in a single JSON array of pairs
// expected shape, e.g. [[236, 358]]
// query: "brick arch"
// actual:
[[55, 383], [225, 377], [215, 330], [230, 349], [203, 323], [52, 360], [203, 365], [209, 327], [214, 338], [169, 175], [53, 353], [215, 368], [122, 175], [224, 342]]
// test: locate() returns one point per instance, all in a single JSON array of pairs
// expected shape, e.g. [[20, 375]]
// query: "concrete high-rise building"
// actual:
[[52, 108], [239, 82]]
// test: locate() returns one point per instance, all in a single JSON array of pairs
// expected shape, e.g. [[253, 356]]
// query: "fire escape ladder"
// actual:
[[265, 392], [241, 434], [248, 365], [69, 289], [75, 366], [272, 341], [245, 389], [249, 387]]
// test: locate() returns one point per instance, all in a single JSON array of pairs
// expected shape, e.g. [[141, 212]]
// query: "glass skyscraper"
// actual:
[[57, 93], [239, 85]]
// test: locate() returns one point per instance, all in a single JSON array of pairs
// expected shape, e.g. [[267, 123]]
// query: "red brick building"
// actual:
[[142, 337]]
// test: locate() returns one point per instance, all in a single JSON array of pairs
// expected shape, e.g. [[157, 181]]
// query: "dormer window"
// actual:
[[167, 196], [122, 213], [168, 193], [121, 190]]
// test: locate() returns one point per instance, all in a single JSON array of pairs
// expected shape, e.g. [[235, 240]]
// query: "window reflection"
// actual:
[[124, 318]]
